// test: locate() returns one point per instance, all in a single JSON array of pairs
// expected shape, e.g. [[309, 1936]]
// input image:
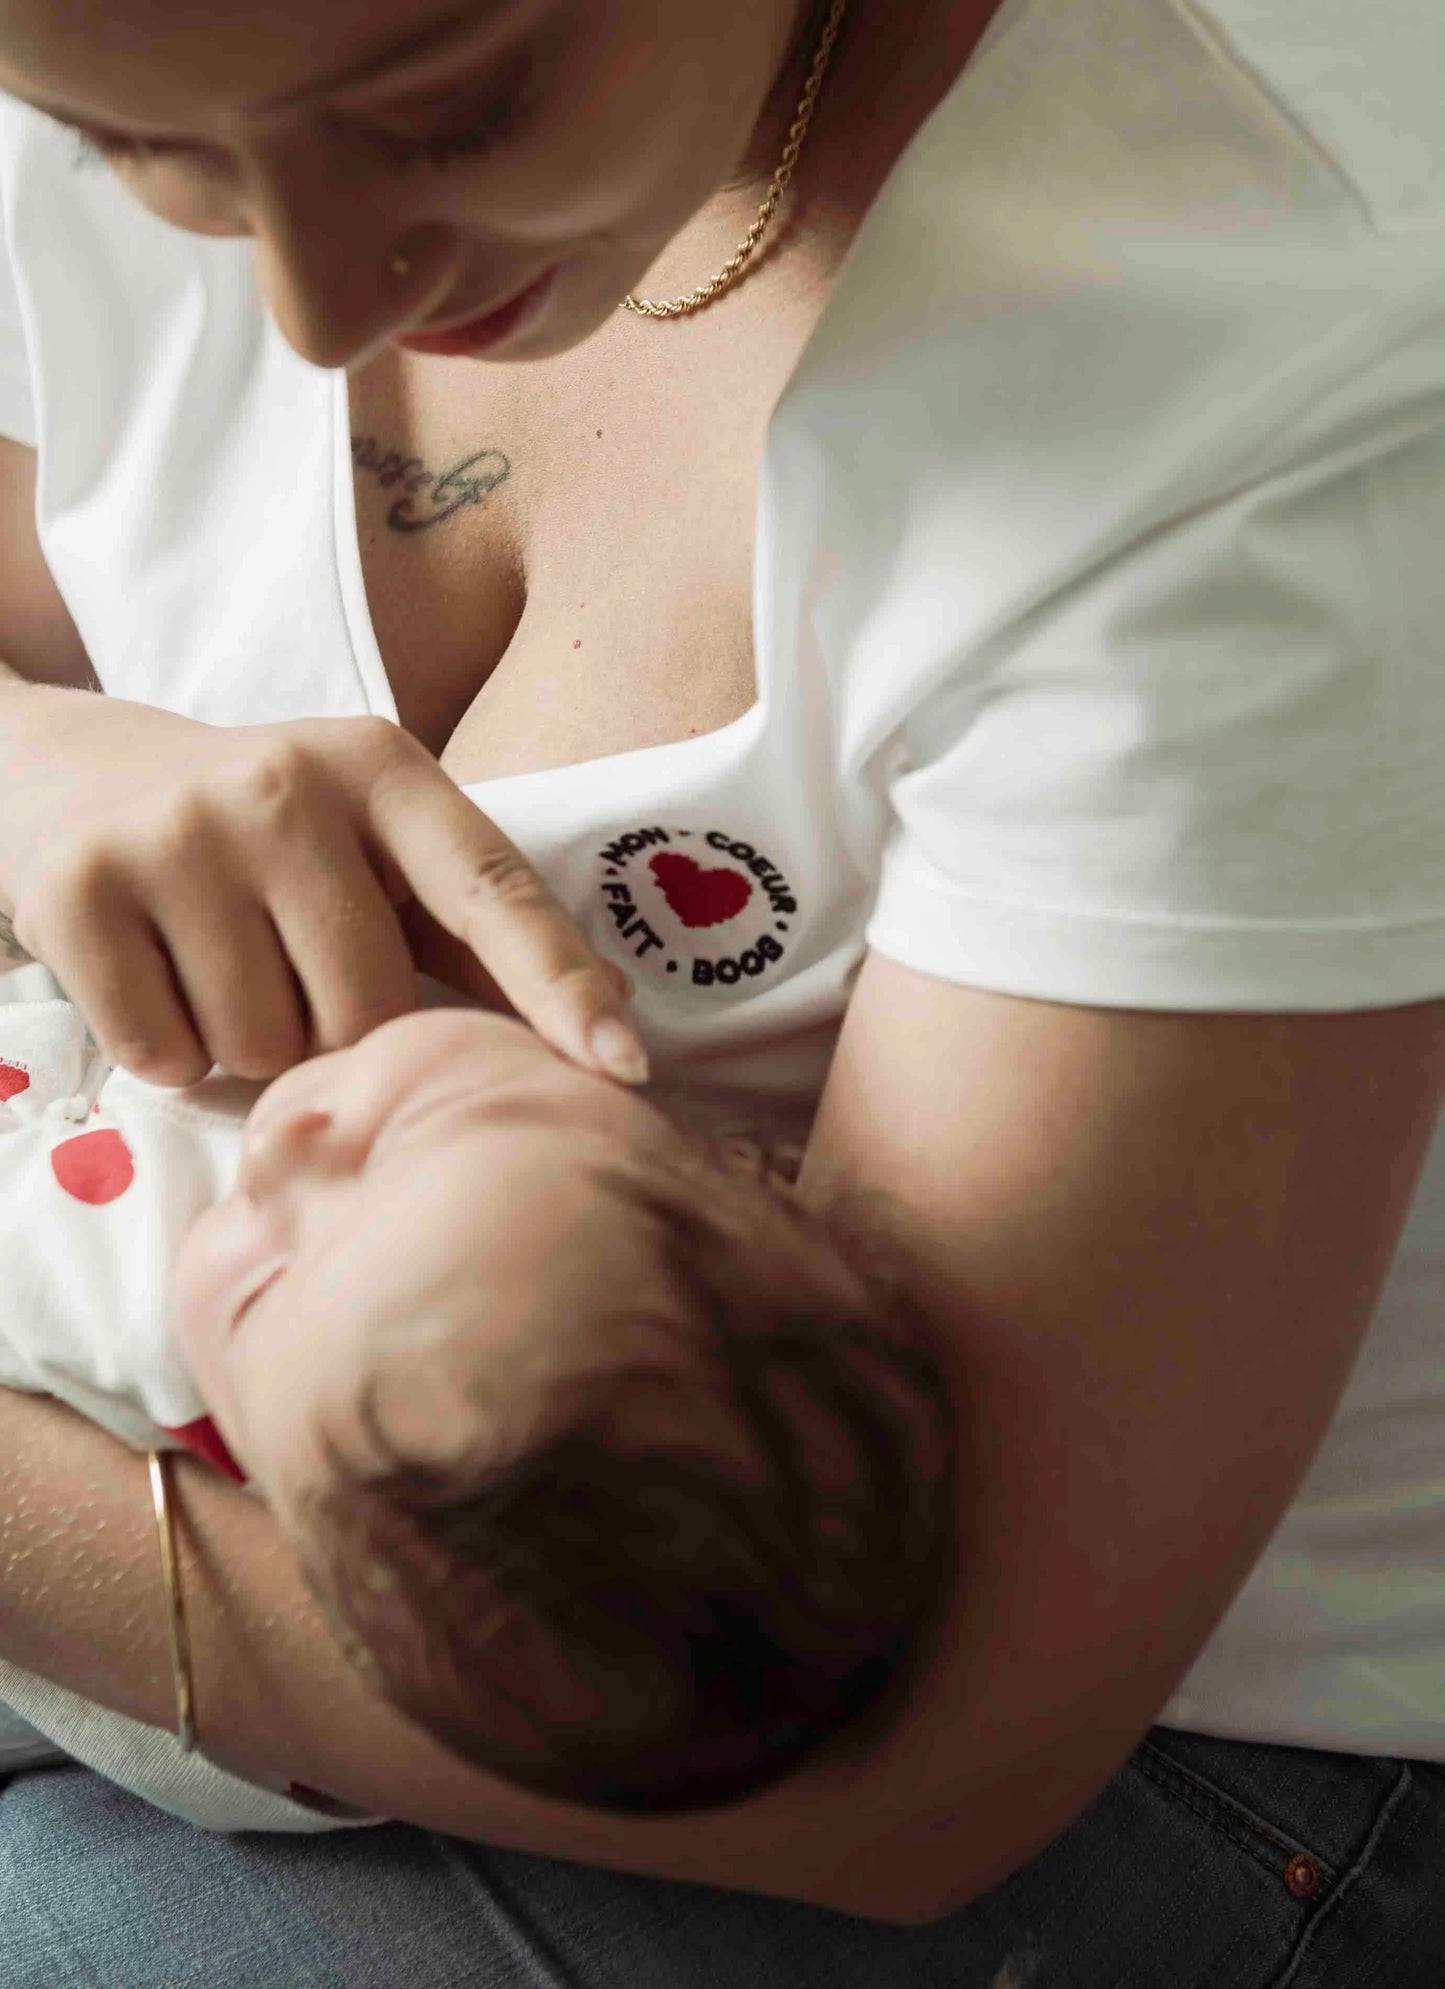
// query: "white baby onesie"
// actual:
[[101, 1176]]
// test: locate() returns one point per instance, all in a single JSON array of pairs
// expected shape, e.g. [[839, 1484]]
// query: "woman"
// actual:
[[1090, 764]]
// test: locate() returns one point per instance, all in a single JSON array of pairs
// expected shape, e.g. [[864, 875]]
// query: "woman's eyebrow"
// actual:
[[403, 48], [408, 47]]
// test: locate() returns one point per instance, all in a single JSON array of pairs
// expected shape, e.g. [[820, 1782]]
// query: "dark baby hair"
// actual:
[[686, 1572]]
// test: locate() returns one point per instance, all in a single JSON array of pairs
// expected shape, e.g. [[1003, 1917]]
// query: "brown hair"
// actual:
[[695, 1568]]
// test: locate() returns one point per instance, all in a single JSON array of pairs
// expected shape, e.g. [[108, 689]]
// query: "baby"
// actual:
[[606, 1465]]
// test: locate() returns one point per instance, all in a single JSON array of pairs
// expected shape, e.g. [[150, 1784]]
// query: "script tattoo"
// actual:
[[429, 497], [12, 953]]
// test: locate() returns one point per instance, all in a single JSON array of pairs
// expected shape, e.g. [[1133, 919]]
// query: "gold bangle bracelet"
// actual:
[[175, 1603]]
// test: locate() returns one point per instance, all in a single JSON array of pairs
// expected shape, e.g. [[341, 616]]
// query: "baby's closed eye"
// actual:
[[254, 1298]]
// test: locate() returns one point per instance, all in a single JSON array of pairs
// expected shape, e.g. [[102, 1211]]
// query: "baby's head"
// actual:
[[608, 1468]]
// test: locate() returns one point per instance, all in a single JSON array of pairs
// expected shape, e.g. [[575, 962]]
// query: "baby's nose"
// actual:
[[281, 1146]]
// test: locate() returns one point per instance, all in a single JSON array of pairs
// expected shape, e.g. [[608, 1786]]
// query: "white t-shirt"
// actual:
[[1098, 623]]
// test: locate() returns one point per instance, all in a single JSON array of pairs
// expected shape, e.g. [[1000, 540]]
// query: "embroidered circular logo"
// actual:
[[706, 906]]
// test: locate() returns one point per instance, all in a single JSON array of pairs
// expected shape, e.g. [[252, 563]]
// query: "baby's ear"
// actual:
[[421, 1408]]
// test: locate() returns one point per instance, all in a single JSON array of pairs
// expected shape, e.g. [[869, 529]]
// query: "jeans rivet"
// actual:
[[1302, 1876]]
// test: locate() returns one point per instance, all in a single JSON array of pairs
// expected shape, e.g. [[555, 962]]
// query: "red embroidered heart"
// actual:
[[94, 1167], [698, 896], [12, 1082]]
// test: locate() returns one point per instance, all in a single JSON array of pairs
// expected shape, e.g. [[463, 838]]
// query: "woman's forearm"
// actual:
[[82, 1603], [81, 1600]]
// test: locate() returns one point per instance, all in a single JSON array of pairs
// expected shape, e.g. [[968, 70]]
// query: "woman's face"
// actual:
[[414, 166]]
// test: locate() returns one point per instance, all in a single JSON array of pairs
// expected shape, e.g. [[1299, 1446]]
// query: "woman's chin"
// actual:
[[583, 298]]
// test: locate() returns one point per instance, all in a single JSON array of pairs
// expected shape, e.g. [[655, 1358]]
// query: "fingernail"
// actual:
[[617, 1049]]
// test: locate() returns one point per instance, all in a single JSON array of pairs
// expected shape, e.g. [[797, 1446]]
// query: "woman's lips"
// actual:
[[484, 333]]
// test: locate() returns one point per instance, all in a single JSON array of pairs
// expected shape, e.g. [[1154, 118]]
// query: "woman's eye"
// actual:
[[476, 131], [120, 145], [476, 141], [474, 134]]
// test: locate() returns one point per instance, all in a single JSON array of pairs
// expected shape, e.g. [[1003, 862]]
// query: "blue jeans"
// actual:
[[1204, 1865]]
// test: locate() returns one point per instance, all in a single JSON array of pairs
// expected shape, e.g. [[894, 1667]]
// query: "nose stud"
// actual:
[[401, 266]]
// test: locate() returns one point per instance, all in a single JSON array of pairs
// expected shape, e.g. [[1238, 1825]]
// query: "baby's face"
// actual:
[[446, 1186]]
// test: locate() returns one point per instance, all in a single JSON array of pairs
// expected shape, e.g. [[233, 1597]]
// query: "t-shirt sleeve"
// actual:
[[1123, 446], [17, 403], [1211, 774]]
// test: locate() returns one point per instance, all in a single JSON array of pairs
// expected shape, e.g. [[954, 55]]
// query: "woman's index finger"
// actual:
[[482, 889]]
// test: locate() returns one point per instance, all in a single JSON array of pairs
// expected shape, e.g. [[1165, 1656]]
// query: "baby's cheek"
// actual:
[[203, 1276], [189, 1281]]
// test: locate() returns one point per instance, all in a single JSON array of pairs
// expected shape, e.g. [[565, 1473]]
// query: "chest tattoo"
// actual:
[[429, 497]]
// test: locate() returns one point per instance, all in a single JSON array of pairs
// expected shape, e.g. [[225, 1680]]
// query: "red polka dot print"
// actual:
[[12, 1082], [94, 1167]]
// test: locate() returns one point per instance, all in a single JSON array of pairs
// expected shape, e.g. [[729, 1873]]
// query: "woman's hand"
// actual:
[[231, 895]]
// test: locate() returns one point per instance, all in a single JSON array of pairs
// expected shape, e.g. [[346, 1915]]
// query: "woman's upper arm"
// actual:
[[38, 638], [1154, 1242]]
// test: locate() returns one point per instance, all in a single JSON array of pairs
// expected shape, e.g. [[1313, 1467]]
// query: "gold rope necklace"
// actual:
[[732, 269]]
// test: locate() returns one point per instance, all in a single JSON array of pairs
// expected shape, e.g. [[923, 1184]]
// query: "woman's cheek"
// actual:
[[182, 199]]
